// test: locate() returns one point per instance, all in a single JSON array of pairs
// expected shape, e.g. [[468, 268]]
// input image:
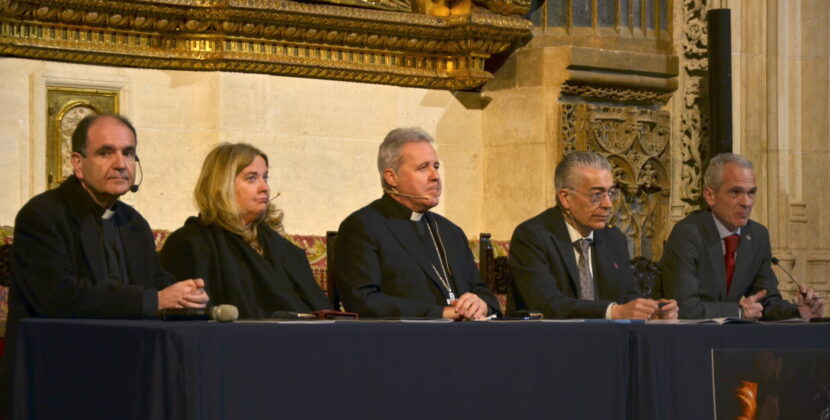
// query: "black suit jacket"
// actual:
[[58, 263], [545, 273], [234, 273], [382, 269], [694, 272], [59, 268]]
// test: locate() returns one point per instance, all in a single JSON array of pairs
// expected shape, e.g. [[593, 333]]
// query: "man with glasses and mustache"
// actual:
[[567, 263], [716, 262]]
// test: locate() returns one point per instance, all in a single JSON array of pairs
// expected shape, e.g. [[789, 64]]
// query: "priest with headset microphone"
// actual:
[[395, 258]]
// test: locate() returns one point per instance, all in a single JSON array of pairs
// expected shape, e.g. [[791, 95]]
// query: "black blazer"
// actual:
[[694, 272], [58, 263], [382, 269], [545, 273], [234, 273]]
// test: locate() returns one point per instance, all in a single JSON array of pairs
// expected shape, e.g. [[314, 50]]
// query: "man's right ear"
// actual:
[[390, 177], [709, 196], [75, 159], [563, 199]]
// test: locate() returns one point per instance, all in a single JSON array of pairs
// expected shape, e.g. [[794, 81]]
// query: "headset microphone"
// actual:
[[392, 191], [134, 187]]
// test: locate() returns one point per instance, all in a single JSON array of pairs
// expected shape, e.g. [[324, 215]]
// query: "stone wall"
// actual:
[[781, 94], [499, 145], [321, 137]]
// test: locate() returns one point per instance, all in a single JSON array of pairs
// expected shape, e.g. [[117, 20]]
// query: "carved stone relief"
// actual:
[[693, 134], [635, 140]]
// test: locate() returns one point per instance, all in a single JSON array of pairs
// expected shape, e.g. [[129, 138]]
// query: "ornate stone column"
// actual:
[[597, 75]]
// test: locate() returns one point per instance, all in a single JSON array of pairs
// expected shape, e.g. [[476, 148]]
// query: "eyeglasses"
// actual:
[[596, 197]]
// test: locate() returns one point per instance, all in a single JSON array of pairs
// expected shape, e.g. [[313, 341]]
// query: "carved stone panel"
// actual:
[[693, 134], [635, 139]]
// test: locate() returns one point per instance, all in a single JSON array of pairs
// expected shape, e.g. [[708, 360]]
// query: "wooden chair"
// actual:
[[494, 271], [331, 290]]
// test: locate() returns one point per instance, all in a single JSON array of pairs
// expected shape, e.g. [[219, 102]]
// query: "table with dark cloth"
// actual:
[[349, 370], [672, 366], [377, 370]]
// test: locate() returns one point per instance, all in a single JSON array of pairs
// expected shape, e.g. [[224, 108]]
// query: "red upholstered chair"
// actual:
[[6, 239]]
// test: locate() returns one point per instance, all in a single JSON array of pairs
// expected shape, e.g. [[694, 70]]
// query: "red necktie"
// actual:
[[731, 243]]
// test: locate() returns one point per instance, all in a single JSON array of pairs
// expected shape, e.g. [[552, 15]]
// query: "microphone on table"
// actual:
[[218, 313], [292, 315], [776, 262], [392, 191]]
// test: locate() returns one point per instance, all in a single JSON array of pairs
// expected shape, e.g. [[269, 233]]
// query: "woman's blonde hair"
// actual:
[[215, 192]]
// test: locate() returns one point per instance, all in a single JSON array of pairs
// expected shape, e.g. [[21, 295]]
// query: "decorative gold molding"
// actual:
[[66, 108], [258, 36]]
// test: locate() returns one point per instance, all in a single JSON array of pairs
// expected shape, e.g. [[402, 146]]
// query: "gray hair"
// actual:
[[713, 176], [389, 152], [565, 170]]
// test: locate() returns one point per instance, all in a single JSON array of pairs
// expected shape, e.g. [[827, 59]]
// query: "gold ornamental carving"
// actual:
[[260, 36], [67, 107], [635, 139]]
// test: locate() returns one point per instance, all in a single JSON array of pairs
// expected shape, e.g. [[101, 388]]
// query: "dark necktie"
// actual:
[[731, 245], [586, 282]]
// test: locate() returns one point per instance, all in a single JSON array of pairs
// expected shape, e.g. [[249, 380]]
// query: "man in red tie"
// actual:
[[716, 262]]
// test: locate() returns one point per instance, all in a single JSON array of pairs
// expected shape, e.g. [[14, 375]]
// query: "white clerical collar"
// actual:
[[108, 213], [575, 235], [722, 230], [416, 217]]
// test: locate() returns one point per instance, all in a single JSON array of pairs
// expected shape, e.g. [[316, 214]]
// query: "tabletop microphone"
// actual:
[[776, 262], [219, 313], [292, 315], [134, 187], [392, 191]]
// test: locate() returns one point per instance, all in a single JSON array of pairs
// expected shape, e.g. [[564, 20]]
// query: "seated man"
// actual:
[[567, 263], [79, 252], [716, 262], [395, 258]]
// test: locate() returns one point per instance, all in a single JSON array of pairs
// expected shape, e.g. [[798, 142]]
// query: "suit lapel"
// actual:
[[84, 211], [401, 227], [564, 246], [714, 247], [604, 267], [91, 243], [131, 241], [405, 235]]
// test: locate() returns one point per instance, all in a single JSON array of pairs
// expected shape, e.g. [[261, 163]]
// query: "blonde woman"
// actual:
[[233, 244]]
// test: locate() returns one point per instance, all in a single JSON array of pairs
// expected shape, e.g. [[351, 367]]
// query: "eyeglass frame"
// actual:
[[596, 198]]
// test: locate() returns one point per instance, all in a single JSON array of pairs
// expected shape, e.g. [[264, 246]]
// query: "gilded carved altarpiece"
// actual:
[[66, 107]]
